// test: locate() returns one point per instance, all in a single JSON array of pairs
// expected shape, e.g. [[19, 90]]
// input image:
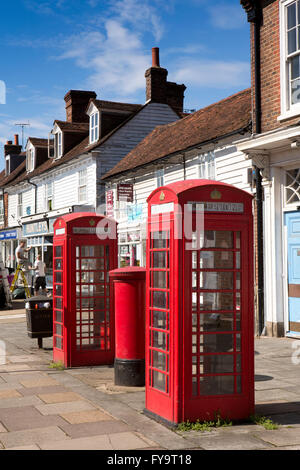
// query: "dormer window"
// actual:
[[58, 144], [94, 127], [30, 159]]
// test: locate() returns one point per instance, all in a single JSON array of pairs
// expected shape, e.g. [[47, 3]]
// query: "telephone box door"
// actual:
[[92, 333], [218, 360]]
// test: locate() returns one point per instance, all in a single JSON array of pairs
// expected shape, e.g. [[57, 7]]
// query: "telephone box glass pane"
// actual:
[[218, 364], [160, 340], [58, 264], [160, 299], [216, 322], [159, 360], [57, 252], [218, 343], [159, 320], [218, 239], [217, 385], [159, 240], [159, 381], [216, 260], [215, 301], [160, 259], [216, 280], [159, 279]]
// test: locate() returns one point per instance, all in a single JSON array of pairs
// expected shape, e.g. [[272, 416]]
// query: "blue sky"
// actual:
[[50, 47]]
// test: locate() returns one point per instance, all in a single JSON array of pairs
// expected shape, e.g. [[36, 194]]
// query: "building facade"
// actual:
[[274, 149], [62, 174]]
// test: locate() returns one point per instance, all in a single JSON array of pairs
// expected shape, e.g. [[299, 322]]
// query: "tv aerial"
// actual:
[[23, 125]]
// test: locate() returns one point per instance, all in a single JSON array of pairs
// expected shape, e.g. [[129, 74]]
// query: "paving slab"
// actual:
[[2, 428], [229, 441], [283, 437], [33, 436], [41, 390], [19, 402], [28, 447], [90, 416], [28, 417], [95, 428], [39, 382], [87, 443], [59, 397], [61, 408], [9, 393]]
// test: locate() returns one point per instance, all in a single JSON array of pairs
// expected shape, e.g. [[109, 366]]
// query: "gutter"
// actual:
[[254, 15], [120, 174]]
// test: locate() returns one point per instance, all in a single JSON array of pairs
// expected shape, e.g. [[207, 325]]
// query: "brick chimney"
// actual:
[[12, 149], [76, 104], [158, 89]]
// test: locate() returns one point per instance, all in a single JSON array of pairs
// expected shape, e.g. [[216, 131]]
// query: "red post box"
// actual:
[[84, 251], [199, 308], [128, 287]]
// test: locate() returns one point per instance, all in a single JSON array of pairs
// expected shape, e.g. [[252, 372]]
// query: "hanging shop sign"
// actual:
[[125, 192]]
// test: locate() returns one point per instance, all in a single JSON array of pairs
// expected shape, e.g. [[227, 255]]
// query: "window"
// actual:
[[82, 186], [58, 144], [20, 205], [49, 196], [160, 177], [290, 57], [30, 159], [94, 127], [207, 166]]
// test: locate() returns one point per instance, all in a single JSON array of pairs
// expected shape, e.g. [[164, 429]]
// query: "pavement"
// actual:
[[81, 408]]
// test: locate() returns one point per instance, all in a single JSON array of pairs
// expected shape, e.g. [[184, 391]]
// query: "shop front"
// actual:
[[39, 236], [9, 242]]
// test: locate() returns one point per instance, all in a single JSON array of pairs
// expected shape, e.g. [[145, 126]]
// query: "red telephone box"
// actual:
[[199, 309], [84, 251]]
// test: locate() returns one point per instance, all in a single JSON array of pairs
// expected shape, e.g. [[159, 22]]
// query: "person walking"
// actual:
[[40, 276]]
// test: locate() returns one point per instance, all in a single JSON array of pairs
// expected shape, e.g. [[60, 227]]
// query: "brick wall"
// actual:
[[270, 68]]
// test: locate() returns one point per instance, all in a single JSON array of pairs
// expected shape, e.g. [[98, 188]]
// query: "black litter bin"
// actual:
[[39, 316]]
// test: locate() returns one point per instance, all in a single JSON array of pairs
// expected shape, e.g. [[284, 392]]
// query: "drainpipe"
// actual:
[[254, 15]]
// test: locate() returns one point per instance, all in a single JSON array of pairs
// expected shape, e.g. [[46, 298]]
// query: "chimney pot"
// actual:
[[9, 142], [155, 57], [16, 139]]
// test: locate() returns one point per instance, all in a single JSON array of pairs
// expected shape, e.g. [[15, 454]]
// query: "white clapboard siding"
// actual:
[[133, 132], [232, 169], [12, 210], [28, 201]]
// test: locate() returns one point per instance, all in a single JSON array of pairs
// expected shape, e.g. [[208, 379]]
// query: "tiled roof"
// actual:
[[14, 174], [73, 126], [215, 121], [37, 142], [111, 105], [51, 163]]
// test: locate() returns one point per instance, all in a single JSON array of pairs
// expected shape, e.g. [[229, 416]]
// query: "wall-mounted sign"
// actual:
[[134, 212], [125, 192], [36, 228], [109, 196], [8, 235], [233, 207]]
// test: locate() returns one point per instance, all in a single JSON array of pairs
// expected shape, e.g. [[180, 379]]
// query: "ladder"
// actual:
[[13, 286], [3, 278]]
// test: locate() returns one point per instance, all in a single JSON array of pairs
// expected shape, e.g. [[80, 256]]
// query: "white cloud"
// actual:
[[227, 17], [141, 14], [116, 59], [213, 73]]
